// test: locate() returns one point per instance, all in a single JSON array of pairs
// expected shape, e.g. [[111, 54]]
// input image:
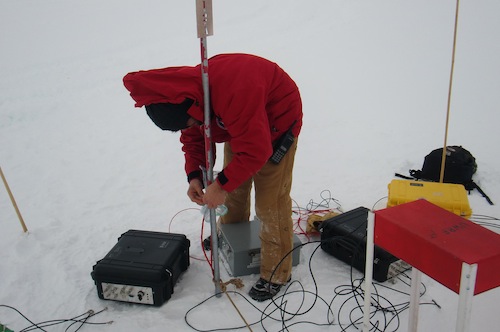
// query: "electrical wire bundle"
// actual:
[[298, 305], [342, 307], [75, 323], [485, 221]]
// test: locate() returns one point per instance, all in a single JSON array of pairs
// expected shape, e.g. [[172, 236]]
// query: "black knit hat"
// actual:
[[167, 116]]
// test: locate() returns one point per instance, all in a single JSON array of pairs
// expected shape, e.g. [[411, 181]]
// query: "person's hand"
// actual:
[[195, 191], [214, 195]]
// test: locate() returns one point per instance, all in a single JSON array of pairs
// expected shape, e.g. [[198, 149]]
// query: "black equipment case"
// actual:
[[142, 267], [344, 237]]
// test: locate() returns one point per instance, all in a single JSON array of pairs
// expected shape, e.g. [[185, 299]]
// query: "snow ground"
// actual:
[[85, 166]]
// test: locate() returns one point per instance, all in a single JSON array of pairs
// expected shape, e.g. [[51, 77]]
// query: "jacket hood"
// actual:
[[166, 85]]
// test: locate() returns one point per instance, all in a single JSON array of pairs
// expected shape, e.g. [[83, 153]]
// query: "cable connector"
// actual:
[[314, 221]]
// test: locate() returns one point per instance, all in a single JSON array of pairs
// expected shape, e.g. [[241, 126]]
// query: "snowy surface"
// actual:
[[85, 166]]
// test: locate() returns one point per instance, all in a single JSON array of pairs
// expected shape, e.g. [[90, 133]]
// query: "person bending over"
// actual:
[[254, 104]]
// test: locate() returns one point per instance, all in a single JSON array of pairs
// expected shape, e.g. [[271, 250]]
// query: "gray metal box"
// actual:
[[240, 247]]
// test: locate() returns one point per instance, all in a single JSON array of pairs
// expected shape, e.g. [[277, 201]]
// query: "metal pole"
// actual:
[[467, 288], [370, 242], [205, 28], [416, 277]]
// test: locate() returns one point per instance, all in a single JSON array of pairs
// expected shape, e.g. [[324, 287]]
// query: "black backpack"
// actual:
[[460, 165]]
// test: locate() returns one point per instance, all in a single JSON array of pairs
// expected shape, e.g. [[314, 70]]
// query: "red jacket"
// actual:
[[253, 103]]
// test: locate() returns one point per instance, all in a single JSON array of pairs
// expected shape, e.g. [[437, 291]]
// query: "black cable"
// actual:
[[384, 315], [20, 313], [326, 198], [380, 304], [488, 224], [316, 297], [81, 319], [379, 200], [278, 311], [484, 217], [483, 220]]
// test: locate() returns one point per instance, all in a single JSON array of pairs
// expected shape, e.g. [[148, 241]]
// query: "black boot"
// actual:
[[263, 290]]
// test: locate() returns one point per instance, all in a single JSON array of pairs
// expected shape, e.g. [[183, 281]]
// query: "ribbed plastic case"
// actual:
[[142, 267], [449, 196], [344, 237]]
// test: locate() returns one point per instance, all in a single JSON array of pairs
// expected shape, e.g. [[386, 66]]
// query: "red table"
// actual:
[[459, 254]]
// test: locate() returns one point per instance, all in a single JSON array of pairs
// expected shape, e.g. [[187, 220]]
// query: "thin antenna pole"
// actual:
[[443, 157], [21, 220], [205, 28]]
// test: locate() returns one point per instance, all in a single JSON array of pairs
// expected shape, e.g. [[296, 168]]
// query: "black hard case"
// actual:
[[146, 259], [344, 237]]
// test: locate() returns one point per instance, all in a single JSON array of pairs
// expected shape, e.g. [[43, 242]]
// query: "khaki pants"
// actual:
[[273, 206]]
